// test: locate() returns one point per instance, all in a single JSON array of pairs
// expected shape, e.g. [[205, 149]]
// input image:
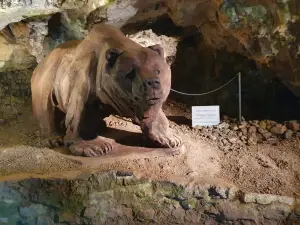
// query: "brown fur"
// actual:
[[106, 70]]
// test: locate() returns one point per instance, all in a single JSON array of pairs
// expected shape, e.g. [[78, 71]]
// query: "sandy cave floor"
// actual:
[[260, 168]]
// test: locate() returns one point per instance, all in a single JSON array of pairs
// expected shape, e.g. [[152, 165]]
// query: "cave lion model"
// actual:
[[82, 81]]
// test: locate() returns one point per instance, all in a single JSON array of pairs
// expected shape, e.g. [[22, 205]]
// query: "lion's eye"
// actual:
[[131, 75], [157, 72]]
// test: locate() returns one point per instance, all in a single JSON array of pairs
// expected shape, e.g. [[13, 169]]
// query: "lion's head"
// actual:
[[142, 75]]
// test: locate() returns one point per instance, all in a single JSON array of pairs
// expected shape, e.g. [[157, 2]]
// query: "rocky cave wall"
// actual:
[[216, 39], [121, 198]]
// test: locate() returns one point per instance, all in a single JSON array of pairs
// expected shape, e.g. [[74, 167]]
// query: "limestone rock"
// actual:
[[272, 140], [262, 131], [37, 33], [288, 134], [29, 213], [252, 129], [293, 125], [148, 37], [267, 135], [223, 125], [277, 211], [234, 127], [266, 199], [263, 124], [278, 129], [244, 130], [109, 201], [252, 140], [22, 45], [234, 212], [13, 55], [15, 11]]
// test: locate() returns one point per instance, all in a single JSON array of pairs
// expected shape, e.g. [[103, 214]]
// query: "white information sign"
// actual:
[[205, 115]]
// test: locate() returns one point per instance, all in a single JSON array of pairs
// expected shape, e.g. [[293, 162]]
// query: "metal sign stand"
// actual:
[[240, 98], [205, 93]]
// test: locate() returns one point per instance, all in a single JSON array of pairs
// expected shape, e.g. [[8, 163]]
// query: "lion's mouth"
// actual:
[[153, 101]]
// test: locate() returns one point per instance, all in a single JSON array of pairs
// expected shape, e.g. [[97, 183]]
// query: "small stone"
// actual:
[[270, 123], [288, 134], [272, 141], [242, 125], [263, 124], [262, 131], [37, 133], [244, 130], [198, 127], [252, 140], [226, 131], [223, 125], [252, 129], [231, 133], [233, 140], [278, 129], [259, 138], [224, 141], [243, 138], [233, 127], [293, 125], [267, 135], [256, 125], [213, 137]]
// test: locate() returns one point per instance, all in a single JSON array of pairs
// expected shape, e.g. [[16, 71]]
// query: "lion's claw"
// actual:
[[167, 141], [92, 148], [54, 142]]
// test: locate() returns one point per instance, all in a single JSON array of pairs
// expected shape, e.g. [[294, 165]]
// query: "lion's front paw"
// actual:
[[167, 141], [53, 142], [92, 148]]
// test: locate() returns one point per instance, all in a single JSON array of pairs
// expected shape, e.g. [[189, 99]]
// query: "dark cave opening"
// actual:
[[264, 96]]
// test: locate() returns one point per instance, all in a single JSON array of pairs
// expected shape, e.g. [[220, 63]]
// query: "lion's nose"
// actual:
[[152, 83]]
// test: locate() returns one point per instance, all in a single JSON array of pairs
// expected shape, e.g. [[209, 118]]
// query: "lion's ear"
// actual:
[[157, 48], [112, 55]]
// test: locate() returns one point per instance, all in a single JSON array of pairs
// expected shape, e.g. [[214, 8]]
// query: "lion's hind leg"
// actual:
[[56, 137], [50, 119]]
